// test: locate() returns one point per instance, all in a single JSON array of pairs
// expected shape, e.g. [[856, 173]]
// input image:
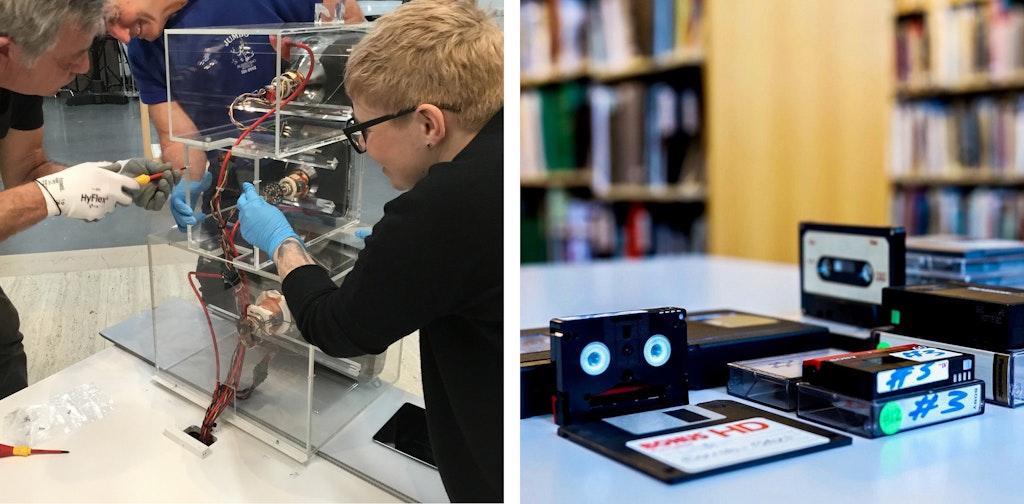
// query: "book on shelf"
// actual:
[[563, 228], [980, 212], [976, 135], [961, 43]]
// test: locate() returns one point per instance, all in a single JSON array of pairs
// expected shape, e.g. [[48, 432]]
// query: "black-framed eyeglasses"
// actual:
[[356, 133]]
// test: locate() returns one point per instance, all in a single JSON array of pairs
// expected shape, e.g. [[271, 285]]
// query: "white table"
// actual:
[[977, 459], [124, 456]]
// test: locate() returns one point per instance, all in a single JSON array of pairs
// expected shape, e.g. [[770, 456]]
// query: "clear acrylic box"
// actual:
[[301, 398], [218, 317], [198, 77]]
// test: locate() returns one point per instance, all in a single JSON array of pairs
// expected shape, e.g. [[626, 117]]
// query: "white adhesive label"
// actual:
[[902, 378], [722, 445]]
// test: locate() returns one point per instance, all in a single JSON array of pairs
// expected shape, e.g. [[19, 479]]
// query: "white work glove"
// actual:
[[154, 194], [85, 191]]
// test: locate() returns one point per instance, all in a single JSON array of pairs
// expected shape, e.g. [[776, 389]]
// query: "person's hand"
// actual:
[[85, 191], [184, 214], [263, 225], [153, 195]]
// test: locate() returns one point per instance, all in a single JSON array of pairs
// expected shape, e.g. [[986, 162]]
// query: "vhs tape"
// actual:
[[615, 363], [772, 380], [717, 337], [1002, 372], [970, 315], [688, 442], [843, 270], [873, 418], [536, 372], [889, 371]]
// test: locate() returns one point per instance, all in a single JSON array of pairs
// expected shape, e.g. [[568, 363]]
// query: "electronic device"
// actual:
[[971, 315], [843, 270], [613, 363], [406, 433]]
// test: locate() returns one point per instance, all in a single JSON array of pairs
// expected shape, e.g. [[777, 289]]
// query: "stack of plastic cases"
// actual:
[[884, 415], [772, 380], [214, 313], [939, 259], [1002, 372]]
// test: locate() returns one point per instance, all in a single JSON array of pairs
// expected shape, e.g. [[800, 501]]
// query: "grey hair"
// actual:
[[36, 24]]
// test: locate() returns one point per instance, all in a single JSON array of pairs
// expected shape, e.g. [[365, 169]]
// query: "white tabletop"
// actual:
[[125, 457], [976, 459]]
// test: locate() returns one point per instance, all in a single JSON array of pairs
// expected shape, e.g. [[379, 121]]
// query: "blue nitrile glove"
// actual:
[[363, 233], [263, 225], [184, 215]]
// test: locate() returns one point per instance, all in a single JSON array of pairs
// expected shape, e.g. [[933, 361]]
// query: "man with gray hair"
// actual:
[[43, 45]]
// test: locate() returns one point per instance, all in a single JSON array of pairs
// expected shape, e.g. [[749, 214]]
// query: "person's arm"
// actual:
[[22, 207], [290, 254], [22, 158], [353, 12], [174, 152]]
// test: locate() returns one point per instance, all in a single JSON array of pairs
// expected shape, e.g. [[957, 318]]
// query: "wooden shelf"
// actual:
[[962, 177], [966, 86], [638, 67], [688, 193], [556, 179]]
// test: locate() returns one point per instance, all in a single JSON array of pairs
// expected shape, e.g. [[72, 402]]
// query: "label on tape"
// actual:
[[722, 445], [925, 409], [901, 378]]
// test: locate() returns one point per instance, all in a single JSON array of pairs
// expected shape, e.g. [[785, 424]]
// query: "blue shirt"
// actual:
[[209, 71], [235, 69]]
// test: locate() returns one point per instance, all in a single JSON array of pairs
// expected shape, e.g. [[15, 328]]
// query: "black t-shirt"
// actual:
[[20, 112], [433, 263]]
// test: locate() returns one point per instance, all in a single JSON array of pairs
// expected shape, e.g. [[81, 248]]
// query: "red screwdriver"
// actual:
[[24, 451], [144, 179]]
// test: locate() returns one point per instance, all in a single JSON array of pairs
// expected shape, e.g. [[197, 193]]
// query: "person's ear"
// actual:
[[6, 44], [432, 124]]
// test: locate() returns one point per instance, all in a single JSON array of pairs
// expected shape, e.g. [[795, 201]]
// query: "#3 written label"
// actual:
[[722, 445]]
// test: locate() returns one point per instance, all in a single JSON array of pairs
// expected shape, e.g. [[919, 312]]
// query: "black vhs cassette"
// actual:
[[873, 418], [718, 337], [615, 363], [688, 442], [843, 270], [772, 380], [536, 372], [889, 371], [1002, 372], [971, 315]]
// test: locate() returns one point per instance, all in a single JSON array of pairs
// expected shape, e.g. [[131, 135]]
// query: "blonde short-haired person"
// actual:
[[43, 45], [427, 89]]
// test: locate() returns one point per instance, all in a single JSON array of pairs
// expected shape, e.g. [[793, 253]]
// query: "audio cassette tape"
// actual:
[[615, 363], [843, 270]]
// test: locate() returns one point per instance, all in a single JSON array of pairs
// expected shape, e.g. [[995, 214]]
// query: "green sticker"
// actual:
[[883, 345], [890, 418], [895, 317]]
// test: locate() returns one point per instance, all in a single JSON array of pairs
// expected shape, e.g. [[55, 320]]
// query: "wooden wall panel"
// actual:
[[798, 97]]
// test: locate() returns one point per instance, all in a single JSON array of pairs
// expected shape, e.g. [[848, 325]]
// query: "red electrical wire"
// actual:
[[224, 392]]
